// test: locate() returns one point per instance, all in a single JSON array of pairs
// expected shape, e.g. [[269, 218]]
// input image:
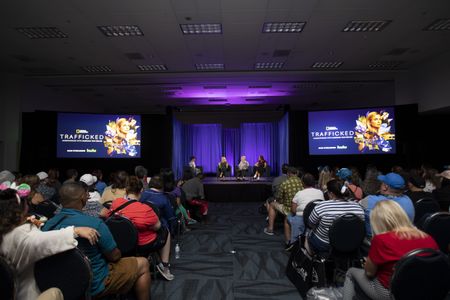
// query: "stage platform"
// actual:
[[229, 189]]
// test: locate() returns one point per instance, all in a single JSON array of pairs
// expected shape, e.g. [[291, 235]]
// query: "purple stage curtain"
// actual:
[[231, 143], [204, 141], [260, 139], [283, 142]]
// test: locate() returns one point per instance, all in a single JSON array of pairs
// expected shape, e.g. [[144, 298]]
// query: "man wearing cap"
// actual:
[[392, 186], [415, 192], [93, 206], [46, 191]]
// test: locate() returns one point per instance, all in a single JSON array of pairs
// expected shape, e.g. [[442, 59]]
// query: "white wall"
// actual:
[[427, 84], [10, 121]]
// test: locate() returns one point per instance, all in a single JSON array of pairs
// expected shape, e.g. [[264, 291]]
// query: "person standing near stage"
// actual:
[[242, 168], [260, 167], [193, 166]]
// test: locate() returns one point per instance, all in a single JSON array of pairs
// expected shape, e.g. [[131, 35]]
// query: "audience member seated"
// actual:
[[37, 204], [6, 175], [283, 202], [260, 167], [142, 174], [415, 192], [223, 168], [432, 181], [301, 199], [117, 189], [173, 191], [195, 194], [93, 206], [324, 213], [393, 236], [152, 236], [23, 244], [325, 176], [277, 181], [242, 168], [371, 185], [155, 196], [442, 194], [53, 180], [100, 185], [392, 186], [71, 175], [193, 166], [43, 188], [346, 175], [111, 274]]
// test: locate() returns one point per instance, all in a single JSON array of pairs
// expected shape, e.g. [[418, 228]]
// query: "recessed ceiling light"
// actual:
[[439, 25], [97, 69], [387, 64], [204, 67], [212, 28], [268, 65], [42, 32], [283, 27], [366, 26], [120, 30], [150, 68], [327, 65]]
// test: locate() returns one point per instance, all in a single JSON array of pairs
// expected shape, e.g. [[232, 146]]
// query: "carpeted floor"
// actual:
[[230, 258]]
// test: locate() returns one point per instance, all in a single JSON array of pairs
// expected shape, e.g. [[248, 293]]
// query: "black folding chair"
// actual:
[[423, 208], [421, 274], [346, 238], [125, 234], [438, 226], [70, 271], [8, 282], [307, 212]]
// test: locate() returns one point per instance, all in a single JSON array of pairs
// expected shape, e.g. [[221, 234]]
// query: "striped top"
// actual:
[[326, 212]]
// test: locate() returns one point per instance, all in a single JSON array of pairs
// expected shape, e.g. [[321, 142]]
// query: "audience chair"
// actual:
[[346, 238], [308, 210], [423, 208], [421, 274], [124, 233], [438, 226], [70, 271], [8, 280]]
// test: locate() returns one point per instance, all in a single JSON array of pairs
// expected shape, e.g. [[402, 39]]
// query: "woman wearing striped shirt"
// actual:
[[324, 214]]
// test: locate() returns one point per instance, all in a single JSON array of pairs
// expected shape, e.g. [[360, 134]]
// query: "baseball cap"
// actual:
[[42, 175], [417, 181], [393, 180], [445, 174], [88, 179], [344, 173]]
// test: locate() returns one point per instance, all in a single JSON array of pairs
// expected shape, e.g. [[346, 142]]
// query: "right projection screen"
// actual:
[[356, 131]]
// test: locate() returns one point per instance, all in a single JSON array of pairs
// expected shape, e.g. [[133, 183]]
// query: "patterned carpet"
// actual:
[[230, 258]]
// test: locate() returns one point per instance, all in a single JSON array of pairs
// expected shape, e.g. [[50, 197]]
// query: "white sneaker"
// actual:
[[165, 272]]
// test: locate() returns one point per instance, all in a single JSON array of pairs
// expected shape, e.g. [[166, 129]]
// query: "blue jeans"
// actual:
[[297, 226]]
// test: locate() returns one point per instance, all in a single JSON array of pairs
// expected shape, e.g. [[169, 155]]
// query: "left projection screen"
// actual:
[[98, 136]]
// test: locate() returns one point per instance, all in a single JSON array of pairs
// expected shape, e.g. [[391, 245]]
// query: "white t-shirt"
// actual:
[[25, 245], [303, 197]]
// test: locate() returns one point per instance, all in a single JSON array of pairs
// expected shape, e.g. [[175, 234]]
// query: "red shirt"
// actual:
[[142, 216], [387, 248]]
